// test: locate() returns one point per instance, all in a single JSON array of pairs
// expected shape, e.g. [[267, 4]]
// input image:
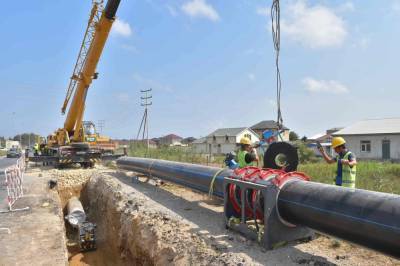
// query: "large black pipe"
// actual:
[[371, 219], [363, 217], [197, 177], [111, 8]]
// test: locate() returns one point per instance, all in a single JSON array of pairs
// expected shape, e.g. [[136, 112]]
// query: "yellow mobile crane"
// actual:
[[77, 141]]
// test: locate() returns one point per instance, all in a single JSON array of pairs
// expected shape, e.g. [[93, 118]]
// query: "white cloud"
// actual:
[[313, 26], [121, 28], [251, 76], [327, 86], [201, 9]]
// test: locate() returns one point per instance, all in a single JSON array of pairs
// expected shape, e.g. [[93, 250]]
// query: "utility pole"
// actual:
[[101, 125], [145, 101]]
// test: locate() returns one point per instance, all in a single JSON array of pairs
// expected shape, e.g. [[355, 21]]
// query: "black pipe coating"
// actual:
[[197, 177], [367, 218]]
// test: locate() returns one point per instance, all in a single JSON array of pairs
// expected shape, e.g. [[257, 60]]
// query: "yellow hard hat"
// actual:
[[245, 140], [337, 141]]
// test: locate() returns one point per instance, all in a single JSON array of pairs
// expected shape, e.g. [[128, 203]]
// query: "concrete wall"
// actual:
[[220, 144], [354, 144], [223, 144], [199, 148]]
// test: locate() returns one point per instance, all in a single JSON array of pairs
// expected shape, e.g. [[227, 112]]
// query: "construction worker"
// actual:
[[247, 155], [36, 149], [346, 163]]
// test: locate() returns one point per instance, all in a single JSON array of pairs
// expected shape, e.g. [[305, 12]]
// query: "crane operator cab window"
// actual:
[[90, 131]]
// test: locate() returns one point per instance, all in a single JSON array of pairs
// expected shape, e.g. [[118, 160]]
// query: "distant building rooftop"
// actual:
[[171, 136], [267, 124], [228, 131], [372, 126]]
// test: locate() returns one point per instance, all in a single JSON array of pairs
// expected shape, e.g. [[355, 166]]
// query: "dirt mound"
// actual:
[[143, 232]]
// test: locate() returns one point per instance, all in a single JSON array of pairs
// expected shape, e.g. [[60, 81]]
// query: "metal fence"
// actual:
[[13, 181]]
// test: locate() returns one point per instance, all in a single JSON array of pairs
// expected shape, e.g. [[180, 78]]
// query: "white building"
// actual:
[[199, 146], [223, 140], [12, 144], [375, 139]]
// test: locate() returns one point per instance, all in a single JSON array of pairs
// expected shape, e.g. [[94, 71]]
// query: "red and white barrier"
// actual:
[[14, 177], [14, 184]]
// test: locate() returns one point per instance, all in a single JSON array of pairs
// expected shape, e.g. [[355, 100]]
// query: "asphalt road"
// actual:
[[6, 162]]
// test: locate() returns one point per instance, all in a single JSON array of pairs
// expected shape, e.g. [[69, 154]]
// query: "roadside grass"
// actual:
[[178, 154], [371, 175], [3, 153]]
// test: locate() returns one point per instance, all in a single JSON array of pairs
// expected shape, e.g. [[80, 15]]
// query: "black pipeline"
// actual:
[[363, 217], [367, 218], [194, 176]]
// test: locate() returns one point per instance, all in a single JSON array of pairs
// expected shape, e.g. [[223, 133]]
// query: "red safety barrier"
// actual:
[[14, 177], [14, 184]]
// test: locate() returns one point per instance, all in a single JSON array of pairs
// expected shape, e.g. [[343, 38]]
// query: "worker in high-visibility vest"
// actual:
[[247, 155], [36, 149], [346, 163]]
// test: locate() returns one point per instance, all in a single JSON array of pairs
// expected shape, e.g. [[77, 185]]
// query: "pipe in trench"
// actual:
[[76, 213], [371, 219]]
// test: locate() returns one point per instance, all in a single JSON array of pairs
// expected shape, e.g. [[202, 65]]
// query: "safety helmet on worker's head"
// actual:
[[337, 141], [245, 141]]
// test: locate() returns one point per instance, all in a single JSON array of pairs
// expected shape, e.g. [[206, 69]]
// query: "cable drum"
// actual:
[[281, 155]]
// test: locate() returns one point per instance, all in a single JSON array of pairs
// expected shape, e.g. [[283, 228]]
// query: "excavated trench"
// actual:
[[103, 206], [131, 229]]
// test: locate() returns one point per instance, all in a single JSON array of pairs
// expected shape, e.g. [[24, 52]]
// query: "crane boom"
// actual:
[[85, 67], [94, 18]]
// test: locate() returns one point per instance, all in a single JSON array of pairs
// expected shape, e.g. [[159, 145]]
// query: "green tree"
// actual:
[[27, 139], [306, 155], [293, 136], [2, 141]]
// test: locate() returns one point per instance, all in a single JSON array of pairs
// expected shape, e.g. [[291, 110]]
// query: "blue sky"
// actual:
[[210, 64]]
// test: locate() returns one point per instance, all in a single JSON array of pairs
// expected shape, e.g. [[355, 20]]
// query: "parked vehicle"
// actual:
[[13, 153]]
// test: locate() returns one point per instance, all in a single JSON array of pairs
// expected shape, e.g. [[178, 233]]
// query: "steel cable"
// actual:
[[276, 38]]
